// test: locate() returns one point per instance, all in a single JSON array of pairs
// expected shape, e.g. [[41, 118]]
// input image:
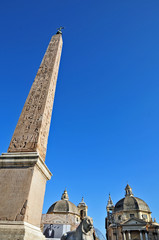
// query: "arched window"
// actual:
[[81, 214]]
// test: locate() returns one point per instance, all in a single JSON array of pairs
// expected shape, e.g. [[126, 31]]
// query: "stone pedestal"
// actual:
[[23, 179], [18, 230]]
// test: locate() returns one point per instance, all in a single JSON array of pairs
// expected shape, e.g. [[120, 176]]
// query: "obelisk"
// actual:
[[23, 173]]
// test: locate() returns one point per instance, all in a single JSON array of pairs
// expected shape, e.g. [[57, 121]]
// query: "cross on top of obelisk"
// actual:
[[59, 30]]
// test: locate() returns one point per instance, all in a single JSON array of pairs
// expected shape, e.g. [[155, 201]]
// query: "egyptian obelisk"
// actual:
[[23, 173]]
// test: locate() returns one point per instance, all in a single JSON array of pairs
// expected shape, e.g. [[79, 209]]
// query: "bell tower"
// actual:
[[110, 207], [82, 207], [23, 170], [110, 210]]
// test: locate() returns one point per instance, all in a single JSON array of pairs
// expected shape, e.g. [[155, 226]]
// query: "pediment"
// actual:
[[134, 221]]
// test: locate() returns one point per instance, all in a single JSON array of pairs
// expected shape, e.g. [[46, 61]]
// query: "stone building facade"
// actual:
[[130, 219], [62, 216]]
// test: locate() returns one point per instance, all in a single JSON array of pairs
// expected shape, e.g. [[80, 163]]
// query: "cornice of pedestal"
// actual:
[[23, 230], [19, 223], [24, 159]]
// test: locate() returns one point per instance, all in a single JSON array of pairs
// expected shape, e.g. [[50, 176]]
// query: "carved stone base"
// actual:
[[23, 179], [18, 230]]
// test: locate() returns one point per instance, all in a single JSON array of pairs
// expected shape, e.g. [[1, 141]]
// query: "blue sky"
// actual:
[[105, 123]]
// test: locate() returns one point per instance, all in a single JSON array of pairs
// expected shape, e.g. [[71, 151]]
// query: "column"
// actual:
[[124, 236], [141, 236], [146, 236], [129, 235]]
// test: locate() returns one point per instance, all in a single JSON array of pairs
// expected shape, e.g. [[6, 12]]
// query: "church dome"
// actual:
[[130, 202], [63, 206]]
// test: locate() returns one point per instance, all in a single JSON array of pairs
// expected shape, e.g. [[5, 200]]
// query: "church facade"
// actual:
[[63, 216], [130, 219]]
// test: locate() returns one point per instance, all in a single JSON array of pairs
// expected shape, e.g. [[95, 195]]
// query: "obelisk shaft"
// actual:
[[32, 130]]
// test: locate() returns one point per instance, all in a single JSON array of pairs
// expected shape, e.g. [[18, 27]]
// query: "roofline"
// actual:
[[136, 210]]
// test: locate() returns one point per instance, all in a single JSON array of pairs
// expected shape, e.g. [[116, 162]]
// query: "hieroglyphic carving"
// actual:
[[31, 133], [20, 216]]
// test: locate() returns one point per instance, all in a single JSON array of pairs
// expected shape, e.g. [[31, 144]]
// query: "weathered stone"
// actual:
[[10, 230], [23, 173], [84, 231], [31, 133], [22, 185]]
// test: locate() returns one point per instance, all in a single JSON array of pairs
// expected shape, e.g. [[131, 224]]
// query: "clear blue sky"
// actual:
[[105, 123]]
